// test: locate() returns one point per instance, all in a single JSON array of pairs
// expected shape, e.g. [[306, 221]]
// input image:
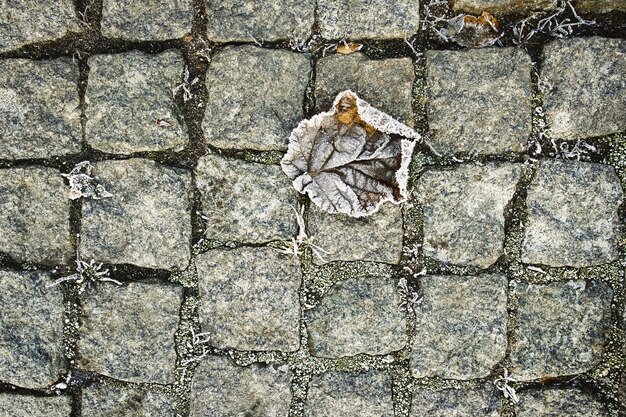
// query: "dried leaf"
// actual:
[[350, 159], [347, 48]]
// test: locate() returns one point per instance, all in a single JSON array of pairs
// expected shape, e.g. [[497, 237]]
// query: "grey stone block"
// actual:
[[31, 330], [572, 215], [560, 328], [599, 6], [106, 400], [15, 405], [130, 105], [34, 215], [249, 298], [127, 331], [499, 7], [475, 402], [146, 223], [255, 97], [570, 402], [479, 100], [460, 340]]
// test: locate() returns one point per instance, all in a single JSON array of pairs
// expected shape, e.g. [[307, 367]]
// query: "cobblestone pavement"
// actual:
[[154, 281]]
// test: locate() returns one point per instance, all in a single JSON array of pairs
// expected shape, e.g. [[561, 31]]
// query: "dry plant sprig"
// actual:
[[185, 86], [502, 384], [87, 273], [408, 296], [297, 245]]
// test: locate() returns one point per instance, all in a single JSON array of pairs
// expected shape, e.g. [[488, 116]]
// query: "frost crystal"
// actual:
[[350, 159]]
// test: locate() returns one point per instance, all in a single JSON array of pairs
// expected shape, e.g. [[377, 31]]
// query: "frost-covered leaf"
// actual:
[[350, 159]]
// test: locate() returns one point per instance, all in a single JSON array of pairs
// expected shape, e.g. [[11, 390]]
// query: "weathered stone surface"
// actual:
[[376, 238], [146, 223], [130, 107], [560, 328], [380, 19], [488, 91], [572, 214], [249, 298], [464, 212], [34, 215], [387, 84], [106, 400], [31, 330], [358, 315], [145, 20], [477, 402], [232, 20], [587, 99], [460, 340], [127, 331], [569, 402], [39, 114], [599, 6], [502, 6], [245, 202], [237, 78], [350, 394], [14, 405], [221, 388], [25, 21]]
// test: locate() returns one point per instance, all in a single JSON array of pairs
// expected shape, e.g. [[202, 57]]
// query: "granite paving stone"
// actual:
[[31, 330], [130, 105], [560, 328], [601, 6], [15, 405], [127, 332], [587, 99], [349, 394], [34, 215], [488, 91], [570, 402], [376, 238], [221, 388], [107, 400], [144, 20], [368, 19], [249, 298], [464, 212], [245, 202], [474, 402], [147, 221], [39, 114], [24, 21], [237, 78], [460, 340], [499, 7], [387, 84], [236, 21], [572, 214], [358, 315]]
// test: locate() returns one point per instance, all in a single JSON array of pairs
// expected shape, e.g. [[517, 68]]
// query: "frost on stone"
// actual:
[[350, 159], [83, 184]]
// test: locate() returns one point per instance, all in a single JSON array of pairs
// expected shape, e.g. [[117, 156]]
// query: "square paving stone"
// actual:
[[221, 388], [358, 315], [255, 97], [147, 221], [560, 328], [145, 20], [31, 330], [381, 19], [479, 100], [15, 405], [249, 298], [39, 114], [106, 400], [460, 340], [464, 212], [499, 7], [475, 402], [376, 238], [127, 332], [130, 107], [26, 21], [586, 80], [245, 202], [573, 215], [387, 84], [237, 21], [599, 6], [349, 394], [34, 215], [570, 402]]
